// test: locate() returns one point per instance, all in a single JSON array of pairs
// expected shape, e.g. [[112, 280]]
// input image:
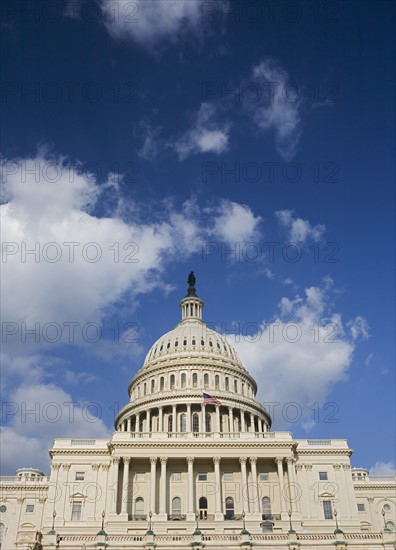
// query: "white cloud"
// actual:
[[149, 22], [207, 136], [299, 355], [280, 113], [234, 223], [383, 469], [38, 413], [299, 230], [359, 328]]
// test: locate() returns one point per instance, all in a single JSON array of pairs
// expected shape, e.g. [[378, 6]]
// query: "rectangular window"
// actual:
[[323, 476], [263, 477], [327, 510], [176, 476], [202, 476], [139, 476], [228, 477], [76, 511], [361, 508], [80, 476], [30, 508]]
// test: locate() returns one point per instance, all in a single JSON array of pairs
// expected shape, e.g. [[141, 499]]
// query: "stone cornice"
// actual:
[[192, 443], [324, 452]]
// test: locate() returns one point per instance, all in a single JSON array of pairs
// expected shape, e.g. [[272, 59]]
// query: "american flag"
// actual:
[[208, 399]]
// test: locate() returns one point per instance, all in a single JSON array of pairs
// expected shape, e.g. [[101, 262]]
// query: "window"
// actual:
[[152, 386], [327, 509], [144, 388], [176, 476], [203, 508], [390, 526], [263, 477], [202, 476], [208, 423], [2, 529], [195, 422], [361, 507], [76, 511], [139, 476], [183, 380], [323, 476], [183, 422], [170, 423], [29, 508], [206, 381], [161, 383], [195, 380], [172, 382], [139, 508], [80, 476], [227, 383], [229, 507], [386, 508], [3, 509], [243, 388], [266, 507], [176, 506], [217, 382], [228, 476], [236, 386]]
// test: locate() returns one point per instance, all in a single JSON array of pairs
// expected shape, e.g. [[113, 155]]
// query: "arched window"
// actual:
[[176, 507], [195, 380], [195, 422], [217, 382], [2, 529], [162, 383], [227, 383], [266, 507], [139, 508], [206, 381], [183, 380], [203, 508], [183, 422], [170, 423], [152, 386], [208, 423], [390, 526], [236, 386], [243, 388], [144, 388], [229, 508], [172, 382]]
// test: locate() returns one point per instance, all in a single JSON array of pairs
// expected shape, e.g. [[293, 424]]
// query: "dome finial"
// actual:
[[191, 284]]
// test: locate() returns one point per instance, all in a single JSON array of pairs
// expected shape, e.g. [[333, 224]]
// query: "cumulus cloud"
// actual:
[[299, 355], [150, 22], [206, 136], [234, 223], [383, 469], [280, 112], [299, 230]]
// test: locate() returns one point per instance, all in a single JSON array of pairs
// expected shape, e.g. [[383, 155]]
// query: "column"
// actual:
[[113, 505], [243, 421], [137, 423], [231, 419], [163, 485], [260, 426], [174, 419], [292, 485], [148, 418], [253, 465], [279, 463], [129, 424], [203, 414], [125, 485], [252, 429], [190, 466], [153, 482], [245, 492], [218, 508], [342, 499], [188, 426], [218, 419], [160, 420]]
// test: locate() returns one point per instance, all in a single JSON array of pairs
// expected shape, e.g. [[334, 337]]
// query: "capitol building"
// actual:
[[193, 463]]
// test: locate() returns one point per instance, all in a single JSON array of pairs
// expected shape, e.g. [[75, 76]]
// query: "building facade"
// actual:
[[193, 463]]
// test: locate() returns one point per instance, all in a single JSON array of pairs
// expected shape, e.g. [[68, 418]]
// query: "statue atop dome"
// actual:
[[191, 284]]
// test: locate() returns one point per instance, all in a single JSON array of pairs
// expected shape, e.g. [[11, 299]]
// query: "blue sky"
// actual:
[[250, 142]]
